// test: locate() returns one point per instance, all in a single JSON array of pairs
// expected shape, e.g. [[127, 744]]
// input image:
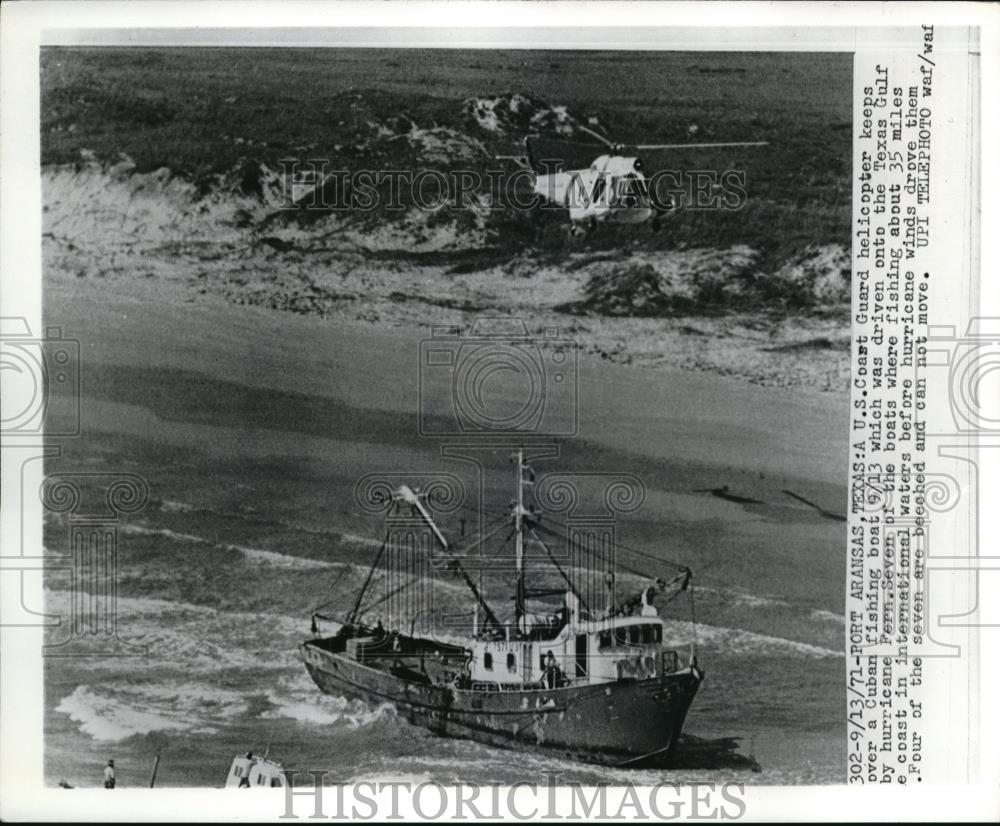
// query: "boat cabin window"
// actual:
[[237, 771], [488, 661], [275, 782], [511, 663], [632, 635]]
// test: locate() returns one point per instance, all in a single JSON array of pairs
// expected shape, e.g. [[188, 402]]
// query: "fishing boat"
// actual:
[[593, 683]]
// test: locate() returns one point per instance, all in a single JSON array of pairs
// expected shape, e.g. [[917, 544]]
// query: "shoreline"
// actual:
[[136, 232]]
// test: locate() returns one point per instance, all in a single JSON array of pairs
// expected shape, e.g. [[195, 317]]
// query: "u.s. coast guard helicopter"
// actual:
[[613, 189]]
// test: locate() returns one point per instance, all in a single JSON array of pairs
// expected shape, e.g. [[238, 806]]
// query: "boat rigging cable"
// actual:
[[562, 573], [357, 603], [457, 566], [683, 576], [371, 571], [680, 568], [492, 528]]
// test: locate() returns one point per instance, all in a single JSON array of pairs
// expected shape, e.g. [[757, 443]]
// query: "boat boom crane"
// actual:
[[406, 494]]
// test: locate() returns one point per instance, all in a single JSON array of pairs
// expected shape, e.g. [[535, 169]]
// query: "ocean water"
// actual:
[[215, 588], [252, 522]]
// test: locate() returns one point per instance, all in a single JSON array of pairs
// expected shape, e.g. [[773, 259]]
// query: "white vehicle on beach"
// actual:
[[251, 772]]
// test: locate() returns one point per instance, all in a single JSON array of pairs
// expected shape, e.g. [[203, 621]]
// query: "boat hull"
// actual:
[[627, 722]]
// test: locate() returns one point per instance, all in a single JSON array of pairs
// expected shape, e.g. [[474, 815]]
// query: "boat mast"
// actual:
[[519, 609]]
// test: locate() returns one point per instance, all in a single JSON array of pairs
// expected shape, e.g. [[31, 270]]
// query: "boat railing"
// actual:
[[644, 665], [497, 687]]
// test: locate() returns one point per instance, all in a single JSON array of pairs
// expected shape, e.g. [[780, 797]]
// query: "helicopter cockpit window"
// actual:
[[599, 188], [632, 191]]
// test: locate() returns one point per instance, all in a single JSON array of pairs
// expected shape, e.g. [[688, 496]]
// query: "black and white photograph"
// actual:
[[497, 411], [486, 406]]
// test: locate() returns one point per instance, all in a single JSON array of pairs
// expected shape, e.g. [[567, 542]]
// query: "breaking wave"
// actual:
[[827, 616], [114, 714], [195, 638], [171, 506], [298, 698], [742, 597], [272, 558], [737, 642]]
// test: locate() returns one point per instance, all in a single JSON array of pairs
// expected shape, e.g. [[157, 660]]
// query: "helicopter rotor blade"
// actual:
[[694, 145], [606, 141]]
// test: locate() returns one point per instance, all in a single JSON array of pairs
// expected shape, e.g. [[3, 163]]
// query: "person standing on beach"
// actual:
[[109, 775]]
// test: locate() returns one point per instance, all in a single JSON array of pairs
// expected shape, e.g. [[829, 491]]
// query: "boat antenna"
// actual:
[[519, 514]]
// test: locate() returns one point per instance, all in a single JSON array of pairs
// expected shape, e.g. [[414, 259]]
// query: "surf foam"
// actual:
[[738, 642], [116, 713]]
